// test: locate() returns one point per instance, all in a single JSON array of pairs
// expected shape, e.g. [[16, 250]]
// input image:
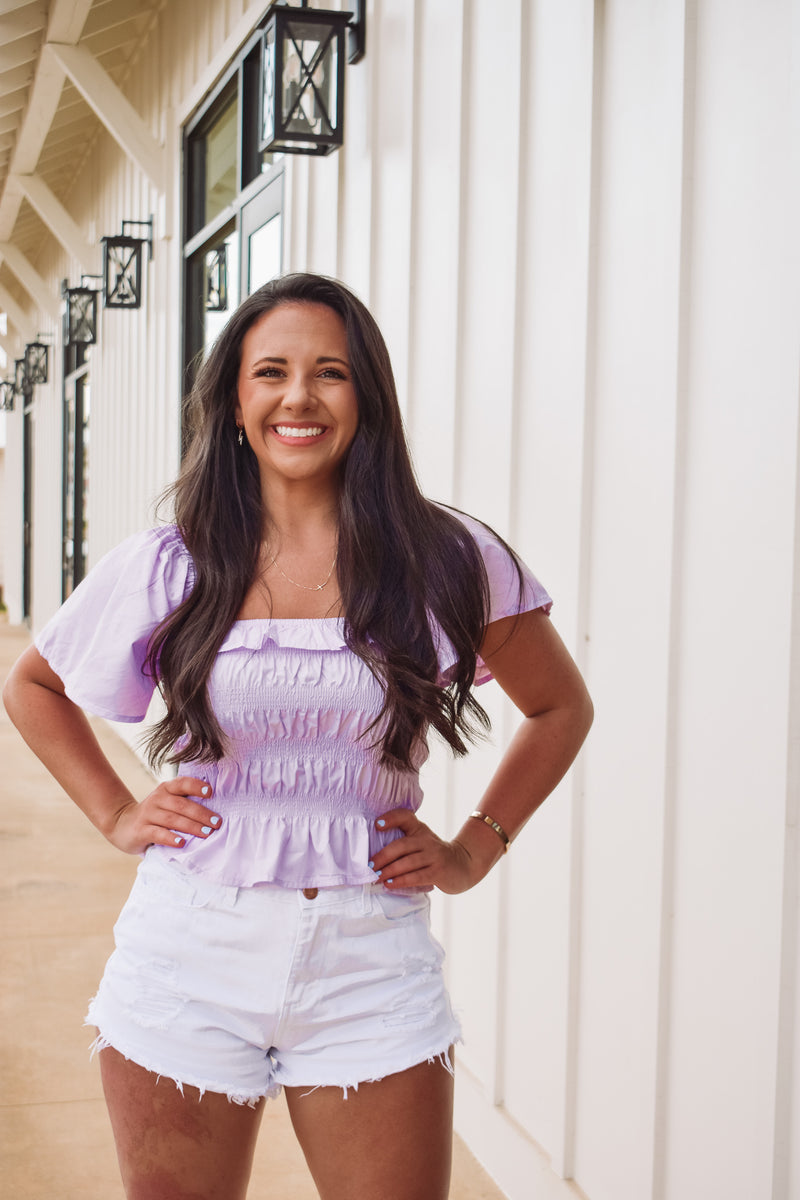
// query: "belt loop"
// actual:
[[367, 902]]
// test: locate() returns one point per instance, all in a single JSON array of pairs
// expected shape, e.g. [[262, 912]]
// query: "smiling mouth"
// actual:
[[294, 431]]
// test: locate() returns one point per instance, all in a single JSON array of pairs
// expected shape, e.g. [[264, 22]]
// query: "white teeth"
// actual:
[[291, 431]]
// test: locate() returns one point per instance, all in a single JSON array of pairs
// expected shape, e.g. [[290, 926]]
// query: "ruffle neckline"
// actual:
[[321, 634], [289, 633]]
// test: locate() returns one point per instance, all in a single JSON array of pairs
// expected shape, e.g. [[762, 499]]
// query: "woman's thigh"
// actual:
[[389, 1140], [173, 1145]]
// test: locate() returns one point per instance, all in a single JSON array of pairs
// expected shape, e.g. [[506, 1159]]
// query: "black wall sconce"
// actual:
[[7, 394], [302, 76], [80, 319], [122, 265], [22, 384], [37, 361], [217, 279]]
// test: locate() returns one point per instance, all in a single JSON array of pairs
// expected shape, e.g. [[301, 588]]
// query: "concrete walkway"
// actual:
[[61, 887]]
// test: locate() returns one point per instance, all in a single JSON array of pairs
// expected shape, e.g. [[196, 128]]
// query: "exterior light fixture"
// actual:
[[7, 393], [302, 75], [122, 265], [80, 319], [217, 279], [36, 362], [22, 384]]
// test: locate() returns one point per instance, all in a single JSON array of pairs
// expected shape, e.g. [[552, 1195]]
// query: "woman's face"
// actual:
[[296, 398]]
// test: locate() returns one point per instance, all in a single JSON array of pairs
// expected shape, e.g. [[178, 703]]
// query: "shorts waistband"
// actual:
[[155, 867]]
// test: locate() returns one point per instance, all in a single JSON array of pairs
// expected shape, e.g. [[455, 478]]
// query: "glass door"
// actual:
[[262, 237], [27, 510], [74, 541]]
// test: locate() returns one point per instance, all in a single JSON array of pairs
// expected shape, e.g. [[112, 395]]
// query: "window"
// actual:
[[75, 473], [233, 206]]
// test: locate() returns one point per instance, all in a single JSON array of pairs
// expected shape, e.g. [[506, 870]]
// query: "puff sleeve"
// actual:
[[97, 641], [506, 598]]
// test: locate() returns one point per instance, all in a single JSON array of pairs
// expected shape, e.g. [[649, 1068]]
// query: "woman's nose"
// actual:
[[298, 396]]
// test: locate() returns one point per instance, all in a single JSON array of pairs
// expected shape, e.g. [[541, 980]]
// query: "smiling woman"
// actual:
[[309, 619], [297, 405]]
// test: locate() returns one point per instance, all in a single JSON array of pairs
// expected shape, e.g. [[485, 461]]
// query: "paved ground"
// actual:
[[61, 887]]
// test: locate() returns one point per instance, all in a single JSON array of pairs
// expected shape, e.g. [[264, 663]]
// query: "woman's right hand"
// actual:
[[161, 819]]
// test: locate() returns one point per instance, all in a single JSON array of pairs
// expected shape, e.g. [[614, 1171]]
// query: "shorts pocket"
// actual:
[[397, 907], [179, 888]]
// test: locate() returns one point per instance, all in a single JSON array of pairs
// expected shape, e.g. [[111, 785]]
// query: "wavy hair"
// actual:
[[405, 565]]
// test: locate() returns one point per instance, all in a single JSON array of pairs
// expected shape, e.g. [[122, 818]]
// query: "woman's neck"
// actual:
[[303, 516]]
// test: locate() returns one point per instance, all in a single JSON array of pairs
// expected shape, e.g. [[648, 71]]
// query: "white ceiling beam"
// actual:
[[113, 108], [16, 315], [57, 219], [8, 348], [30, 279], [66, 21], [42, 107]]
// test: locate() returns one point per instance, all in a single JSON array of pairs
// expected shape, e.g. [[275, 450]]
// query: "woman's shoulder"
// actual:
[[491, 546], [150, 552], [149, 572], [480, 532], [158, 541], [513, 587]]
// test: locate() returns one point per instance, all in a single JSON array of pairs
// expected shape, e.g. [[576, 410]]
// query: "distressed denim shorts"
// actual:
[[242, 990]]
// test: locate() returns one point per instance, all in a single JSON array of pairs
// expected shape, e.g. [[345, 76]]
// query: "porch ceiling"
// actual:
[[46, 127]]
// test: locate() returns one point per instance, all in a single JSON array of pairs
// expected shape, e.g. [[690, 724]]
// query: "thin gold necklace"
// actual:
[[304, 586]]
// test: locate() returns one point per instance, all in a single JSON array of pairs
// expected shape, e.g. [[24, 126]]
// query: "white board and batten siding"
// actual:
[[577, 225]]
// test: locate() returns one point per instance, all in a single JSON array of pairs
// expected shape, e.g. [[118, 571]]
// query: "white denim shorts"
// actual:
[[242, 990]]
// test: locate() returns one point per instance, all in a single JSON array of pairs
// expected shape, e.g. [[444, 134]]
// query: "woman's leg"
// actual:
[[172, 1146], [390, 1140]]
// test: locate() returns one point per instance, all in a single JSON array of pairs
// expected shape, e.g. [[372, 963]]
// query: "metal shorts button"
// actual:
[[310, 893]]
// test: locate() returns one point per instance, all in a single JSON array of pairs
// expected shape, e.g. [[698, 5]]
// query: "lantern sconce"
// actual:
[[7, 393], [122, 265], [80, 324], [37, 361], [302, 76], [22, 384], [217, 279]]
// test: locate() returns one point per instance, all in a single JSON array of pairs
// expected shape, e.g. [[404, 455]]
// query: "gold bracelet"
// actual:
[[501, 833]]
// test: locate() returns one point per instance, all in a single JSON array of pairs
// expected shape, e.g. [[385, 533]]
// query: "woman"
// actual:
[[308, 617]]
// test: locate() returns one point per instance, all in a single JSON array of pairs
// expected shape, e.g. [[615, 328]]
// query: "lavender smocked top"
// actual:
[[298, 791]]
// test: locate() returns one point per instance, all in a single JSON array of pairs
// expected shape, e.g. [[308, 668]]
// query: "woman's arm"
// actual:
[[533, 667], [60, 735]]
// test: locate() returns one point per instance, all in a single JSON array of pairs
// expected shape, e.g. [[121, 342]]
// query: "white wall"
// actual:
[[576, 224]]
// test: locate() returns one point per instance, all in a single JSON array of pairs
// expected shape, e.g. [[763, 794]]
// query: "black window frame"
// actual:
[[243, 79]]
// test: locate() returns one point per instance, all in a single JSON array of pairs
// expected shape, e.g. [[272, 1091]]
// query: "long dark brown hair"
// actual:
[[404, 563]]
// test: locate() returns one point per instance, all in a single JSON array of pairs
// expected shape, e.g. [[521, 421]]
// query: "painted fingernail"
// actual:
[[206, 829], [390, 881], [214, 820], [370, 864], [178, 841], [205, 791], [378, 873], [380, 823]]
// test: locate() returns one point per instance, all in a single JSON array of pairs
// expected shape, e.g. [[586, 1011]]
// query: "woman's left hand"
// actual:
[[420, 858]]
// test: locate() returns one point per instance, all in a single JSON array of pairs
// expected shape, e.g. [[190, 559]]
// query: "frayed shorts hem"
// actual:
[[251, 1099], [440, 1055], [437, 1054]]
